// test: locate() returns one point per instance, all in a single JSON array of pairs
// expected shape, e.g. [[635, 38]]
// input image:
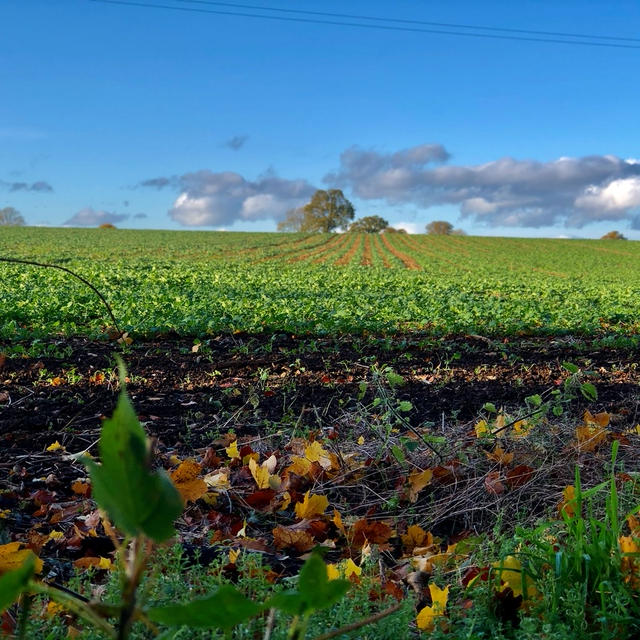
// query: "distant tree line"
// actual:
[[10, 217]]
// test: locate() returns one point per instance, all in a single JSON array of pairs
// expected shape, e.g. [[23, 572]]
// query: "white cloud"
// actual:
[[215, 199], [503, 192], [409, 227]]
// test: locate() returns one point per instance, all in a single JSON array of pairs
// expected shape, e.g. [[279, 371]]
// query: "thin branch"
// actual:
[[360, 623], [75, 275]]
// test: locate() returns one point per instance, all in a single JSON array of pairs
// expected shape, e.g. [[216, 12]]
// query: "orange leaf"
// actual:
[[566, 505], [417, 482], [500, 456], [416, 537], [81, 488], [186, 480], [98, 563]]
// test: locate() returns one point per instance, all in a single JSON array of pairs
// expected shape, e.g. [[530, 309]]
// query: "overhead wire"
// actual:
[[409, 21], [384, 27]]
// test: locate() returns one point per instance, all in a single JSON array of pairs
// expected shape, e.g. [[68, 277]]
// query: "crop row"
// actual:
[[197, 283]]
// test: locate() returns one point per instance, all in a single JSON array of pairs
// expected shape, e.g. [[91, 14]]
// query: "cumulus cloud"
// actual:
[[38, 186], [509, 192], [89, 217], [236, 143], [409, 227], [213, 199]]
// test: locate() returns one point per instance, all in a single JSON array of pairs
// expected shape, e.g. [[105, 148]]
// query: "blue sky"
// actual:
[[159, 118]]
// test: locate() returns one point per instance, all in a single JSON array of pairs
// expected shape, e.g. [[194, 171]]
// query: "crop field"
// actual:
[[454, 421], [198, 283]]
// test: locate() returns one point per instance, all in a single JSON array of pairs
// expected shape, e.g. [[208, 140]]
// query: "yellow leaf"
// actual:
[[351, 568], [186, 480], [633, 431], [361, 440], [418, 480], [521, 429], [53, 609], [511, 574], [260, 474], [232, 450], [316, 453], [333, 573], [482, 430], [299, 466], [13, 556], [312, 505], [56, 535], [233, 555], [286, 500], [566, 505], [93, 562], [426, 618], [634, 525], [337, 520], [56, 446]]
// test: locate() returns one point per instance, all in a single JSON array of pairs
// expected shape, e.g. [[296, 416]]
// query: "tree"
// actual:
[[369, 224], [325, 212], [613, 235], [439, 228], [10, 217], [293, 221], [394, 230]]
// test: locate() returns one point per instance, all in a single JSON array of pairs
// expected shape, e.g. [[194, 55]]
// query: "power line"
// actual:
[[407, 21], [383, 27]]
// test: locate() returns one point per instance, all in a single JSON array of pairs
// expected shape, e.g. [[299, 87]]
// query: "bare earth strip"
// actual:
[[408, 261]]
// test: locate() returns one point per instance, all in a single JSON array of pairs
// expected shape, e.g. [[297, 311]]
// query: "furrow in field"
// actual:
[[319, 256], [367, 252], [310, 243], [406, 260], [338, 249], [380, 253], [354, 247]]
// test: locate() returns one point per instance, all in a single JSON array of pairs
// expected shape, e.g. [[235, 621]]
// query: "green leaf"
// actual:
[[405, 406], [13, 583], [534, 400], [589, 391], [315, 591], [137, 499], [571, 368], [223, 609], [490, 407], [394, 379], [398, 453]]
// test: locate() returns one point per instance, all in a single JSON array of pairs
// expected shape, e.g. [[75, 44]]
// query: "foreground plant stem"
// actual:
[[73, 605]]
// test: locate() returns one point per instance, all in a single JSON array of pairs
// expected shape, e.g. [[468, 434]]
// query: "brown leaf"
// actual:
[[286, 538], [417, 482], [81, 488], [371, 531], [492, 483], [519, 475]]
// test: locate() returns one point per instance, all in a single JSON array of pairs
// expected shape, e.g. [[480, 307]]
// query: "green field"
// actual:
[[199, 283]]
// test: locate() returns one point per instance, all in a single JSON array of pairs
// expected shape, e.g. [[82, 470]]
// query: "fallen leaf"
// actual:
[[500, 456], [232, 450], [286, 538], [13, 555], [418, 480], [567, 505], [312, 505], [427, 617], [187, 482], [56, 446], [316, 453], [370, 531], [493, 484]]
